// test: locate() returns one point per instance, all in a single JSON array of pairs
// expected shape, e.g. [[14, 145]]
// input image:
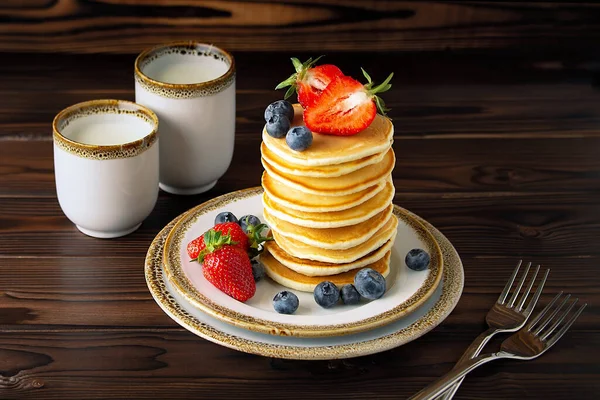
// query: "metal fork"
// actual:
[[528, 343], [507, 315]]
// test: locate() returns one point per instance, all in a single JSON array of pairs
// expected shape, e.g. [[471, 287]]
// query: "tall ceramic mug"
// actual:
[[191, 87], [106, 165]]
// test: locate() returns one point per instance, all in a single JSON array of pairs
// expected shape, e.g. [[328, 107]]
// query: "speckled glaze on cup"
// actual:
[[197, 120], [106, 190]]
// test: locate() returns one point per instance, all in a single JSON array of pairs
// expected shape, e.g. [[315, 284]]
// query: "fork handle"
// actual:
[[443, 383], [472, 351]]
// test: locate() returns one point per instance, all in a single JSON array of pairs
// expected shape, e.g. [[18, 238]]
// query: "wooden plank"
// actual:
[[97, 74], [91, 294], [448, 167], [527, 225], [111, 26], [25, 228], [77, 293], [455, 111], [27, 170], [432, 97], [534, 224], [179, 365]]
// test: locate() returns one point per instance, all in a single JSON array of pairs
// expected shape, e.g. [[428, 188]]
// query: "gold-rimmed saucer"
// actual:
[[406, 291], [422, 320]]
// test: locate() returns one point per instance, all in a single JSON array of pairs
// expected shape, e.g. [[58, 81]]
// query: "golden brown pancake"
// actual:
[[334, 219], [319, 171], [330, 149], [302, 250], [338, 186], [331, 238], [286, 277], [317, 268], [298, 200]]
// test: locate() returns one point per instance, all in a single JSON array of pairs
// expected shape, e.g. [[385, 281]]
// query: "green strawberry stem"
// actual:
[[372, 91], [256, 239], [301, 69], [214, 240]]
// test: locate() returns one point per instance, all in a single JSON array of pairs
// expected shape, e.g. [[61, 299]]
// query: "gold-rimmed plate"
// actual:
[[406, 289], [426, 317]]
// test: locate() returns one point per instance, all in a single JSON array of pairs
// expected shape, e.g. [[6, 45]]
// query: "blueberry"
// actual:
[[280, 107], [285, 302], [369, 283], [277, 126], [247, 220], [299, 138], [326, 294], [258, 270], [349, 294], [417, 260], [225, 216]]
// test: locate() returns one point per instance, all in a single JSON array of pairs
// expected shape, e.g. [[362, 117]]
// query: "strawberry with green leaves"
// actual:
[[309, 80], [231, 228], [256, 239], [346, 107], [227, 266], [249, 242]]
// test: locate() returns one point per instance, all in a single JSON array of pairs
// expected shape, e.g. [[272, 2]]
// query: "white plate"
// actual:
[[406, 289], [402, 331]]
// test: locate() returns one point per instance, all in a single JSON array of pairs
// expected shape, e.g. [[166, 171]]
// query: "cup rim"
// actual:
[[123, 148], [184, 86]]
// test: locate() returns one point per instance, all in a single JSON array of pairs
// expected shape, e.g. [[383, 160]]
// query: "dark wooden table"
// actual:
[[497, 115]]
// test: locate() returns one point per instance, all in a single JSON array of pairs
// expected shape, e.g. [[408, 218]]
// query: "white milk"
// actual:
[[185, 69], [107, 129]]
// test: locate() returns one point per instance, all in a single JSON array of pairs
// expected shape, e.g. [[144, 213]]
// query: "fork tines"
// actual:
[[510, 302], [544, 326]]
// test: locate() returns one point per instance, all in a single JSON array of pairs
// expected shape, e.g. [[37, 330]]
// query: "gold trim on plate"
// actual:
[[452, 285], [179, 279]]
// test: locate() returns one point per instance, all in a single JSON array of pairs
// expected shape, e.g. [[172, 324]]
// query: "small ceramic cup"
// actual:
[[106, 165], [191, 87]]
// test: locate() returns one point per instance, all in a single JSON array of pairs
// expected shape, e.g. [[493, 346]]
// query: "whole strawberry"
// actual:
[[236, 232], [309, 81], [227, 267], [233, 229], [346, 107], [195, 247], [248, 238]]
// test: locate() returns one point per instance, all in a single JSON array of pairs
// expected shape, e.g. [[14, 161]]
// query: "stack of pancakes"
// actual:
[[330, 206]]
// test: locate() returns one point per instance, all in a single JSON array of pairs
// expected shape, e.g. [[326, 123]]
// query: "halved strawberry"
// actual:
[[309, 81], [346, 106]]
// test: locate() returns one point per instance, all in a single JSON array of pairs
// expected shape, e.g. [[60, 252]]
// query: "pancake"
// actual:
[[319, 171], [330, 149], [317, 268], [302, 250], [332, 238], [338, 186], [335, 219], [302, 201], [293, 280]]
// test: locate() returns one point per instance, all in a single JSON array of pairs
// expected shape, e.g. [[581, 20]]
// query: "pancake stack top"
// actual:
[[329, 207]]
